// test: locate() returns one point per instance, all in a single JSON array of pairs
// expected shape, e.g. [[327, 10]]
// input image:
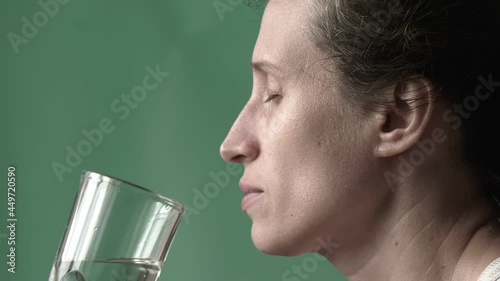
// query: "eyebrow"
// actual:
[[266, 66]]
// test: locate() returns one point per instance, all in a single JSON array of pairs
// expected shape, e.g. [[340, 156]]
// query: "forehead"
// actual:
[[283, 37]]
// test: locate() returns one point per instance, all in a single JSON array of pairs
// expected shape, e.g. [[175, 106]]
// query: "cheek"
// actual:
[[309, 186], [316, 181], [313, 157], [308, 154]]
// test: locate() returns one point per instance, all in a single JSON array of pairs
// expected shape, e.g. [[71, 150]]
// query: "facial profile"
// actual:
[[300, 142]]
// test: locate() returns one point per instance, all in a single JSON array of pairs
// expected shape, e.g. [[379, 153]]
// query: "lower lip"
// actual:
[[249, 199]]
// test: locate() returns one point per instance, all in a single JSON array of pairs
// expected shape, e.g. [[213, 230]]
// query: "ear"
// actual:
[[405, 118]]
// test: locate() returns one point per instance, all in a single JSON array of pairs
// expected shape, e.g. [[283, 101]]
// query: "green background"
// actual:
[[64, 80]]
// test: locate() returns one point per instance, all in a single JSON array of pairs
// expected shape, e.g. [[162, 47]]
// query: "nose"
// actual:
[[240, 145], [242, 152]]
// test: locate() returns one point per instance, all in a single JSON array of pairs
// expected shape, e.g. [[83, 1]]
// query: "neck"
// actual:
[[439, 230]]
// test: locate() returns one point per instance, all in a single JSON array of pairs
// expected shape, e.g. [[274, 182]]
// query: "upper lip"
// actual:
[[248, 188]]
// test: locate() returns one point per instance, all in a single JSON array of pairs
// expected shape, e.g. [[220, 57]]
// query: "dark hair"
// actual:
[[454, 44]]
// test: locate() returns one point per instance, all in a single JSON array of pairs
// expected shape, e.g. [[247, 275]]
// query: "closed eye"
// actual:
[[273, 94], [272, 97]]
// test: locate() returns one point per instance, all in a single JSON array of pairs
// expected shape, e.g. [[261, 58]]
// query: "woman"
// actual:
[[369, 137]]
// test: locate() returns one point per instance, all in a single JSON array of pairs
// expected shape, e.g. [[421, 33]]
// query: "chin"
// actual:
[[275, 242]]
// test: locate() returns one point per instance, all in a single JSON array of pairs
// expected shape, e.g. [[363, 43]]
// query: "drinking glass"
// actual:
[[117, 231]]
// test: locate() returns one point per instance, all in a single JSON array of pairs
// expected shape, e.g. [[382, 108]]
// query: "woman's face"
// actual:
[[308, 150]]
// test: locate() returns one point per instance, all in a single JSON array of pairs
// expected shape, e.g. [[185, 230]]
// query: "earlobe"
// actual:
[[405, 117]]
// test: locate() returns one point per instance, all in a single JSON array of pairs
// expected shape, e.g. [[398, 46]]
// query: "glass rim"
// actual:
[[174, 203]]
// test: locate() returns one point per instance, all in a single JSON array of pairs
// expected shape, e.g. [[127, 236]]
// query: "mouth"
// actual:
[[252, 193], [249, 199]]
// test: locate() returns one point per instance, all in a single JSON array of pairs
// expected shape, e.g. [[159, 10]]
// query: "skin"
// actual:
[[322, 164]]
